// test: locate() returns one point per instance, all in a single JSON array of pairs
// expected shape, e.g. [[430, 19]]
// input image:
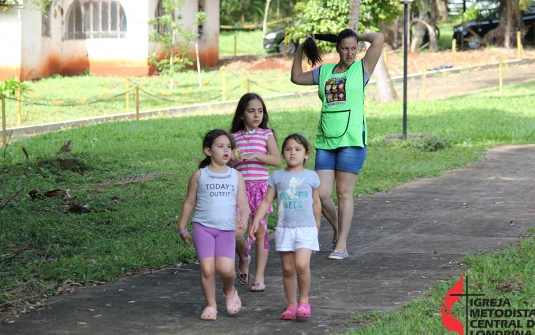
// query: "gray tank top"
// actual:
[[216, 199]]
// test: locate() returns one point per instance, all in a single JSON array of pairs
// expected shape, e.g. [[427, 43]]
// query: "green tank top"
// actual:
[[342, 122]]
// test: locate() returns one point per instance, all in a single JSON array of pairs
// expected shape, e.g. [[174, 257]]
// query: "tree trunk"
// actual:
[[385, 86], [511, 21], [433, 14], [508, 20], [266, 12], [354, 15], [433, 43], [442, 7]]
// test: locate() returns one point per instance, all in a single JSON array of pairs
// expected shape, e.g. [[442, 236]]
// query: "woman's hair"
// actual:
[[299, 139], [312, 51], [208, 141], [237, 122]]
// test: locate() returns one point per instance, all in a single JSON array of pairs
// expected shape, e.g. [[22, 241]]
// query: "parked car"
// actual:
[[472, 32], [274, 42]]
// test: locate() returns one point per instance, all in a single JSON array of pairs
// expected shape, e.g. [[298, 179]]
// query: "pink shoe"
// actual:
[[303, 310], [289, 313]]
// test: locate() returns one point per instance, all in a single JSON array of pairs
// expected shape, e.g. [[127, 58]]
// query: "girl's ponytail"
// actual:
[[205, 162], [312, 51]]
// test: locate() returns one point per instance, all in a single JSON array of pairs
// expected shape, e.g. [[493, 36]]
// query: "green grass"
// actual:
[[446, 31], [505, 275], [247, 42], [123, 223], [58, 98]]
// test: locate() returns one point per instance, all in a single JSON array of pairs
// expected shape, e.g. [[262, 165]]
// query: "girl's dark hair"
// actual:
[[299, 139], [237, 122], [311, 49], [209, 140]]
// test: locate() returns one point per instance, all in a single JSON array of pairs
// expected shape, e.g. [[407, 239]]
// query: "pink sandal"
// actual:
[[233, 303], [209, 314], [289, 313], [303, 310]]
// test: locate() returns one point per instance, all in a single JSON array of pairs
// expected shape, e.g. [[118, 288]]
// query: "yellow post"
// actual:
[[127, 94], [137, 102], [19, 106], [235, 44], [454, 51], [501, 75], [223, 83], [4, 137], [284, 53], [248, 85], [424, 82], [518, 45]]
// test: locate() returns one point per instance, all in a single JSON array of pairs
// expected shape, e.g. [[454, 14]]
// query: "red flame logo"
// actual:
[[448, 319]]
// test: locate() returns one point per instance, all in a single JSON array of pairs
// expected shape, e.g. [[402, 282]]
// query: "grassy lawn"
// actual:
[[126, 182], [248, 42], [58, 98]]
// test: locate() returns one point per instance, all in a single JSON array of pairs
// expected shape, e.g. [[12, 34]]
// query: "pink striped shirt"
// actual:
[[247, 143]]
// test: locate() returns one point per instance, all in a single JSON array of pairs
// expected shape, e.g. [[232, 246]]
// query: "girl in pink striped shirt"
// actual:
[[256, 150]]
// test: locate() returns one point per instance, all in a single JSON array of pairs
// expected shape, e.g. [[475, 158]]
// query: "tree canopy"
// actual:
[[331, 16]]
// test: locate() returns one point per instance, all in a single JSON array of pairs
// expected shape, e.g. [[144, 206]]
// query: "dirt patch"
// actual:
[[124, 181], [394, 59], [63, 164]]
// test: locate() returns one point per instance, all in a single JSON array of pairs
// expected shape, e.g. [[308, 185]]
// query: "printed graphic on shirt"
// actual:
[[291, 198], [335, 91], [220, 190]]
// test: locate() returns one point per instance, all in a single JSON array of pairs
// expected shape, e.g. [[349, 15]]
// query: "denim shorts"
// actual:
[[348, 159]]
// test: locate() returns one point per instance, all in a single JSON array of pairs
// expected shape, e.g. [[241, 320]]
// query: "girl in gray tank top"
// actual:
[[216, 192]]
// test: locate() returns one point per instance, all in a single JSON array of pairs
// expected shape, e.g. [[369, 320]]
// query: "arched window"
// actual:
[[89, 19]]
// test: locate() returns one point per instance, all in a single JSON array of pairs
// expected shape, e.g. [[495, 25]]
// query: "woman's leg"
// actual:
[[302, 265], [328, 209], [261, 252], [345, 184], [208, 269], [288, 276]]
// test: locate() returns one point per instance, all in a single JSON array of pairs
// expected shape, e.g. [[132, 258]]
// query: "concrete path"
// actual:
[[402, 241]]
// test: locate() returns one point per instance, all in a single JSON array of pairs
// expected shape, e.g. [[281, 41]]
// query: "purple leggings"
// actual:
[[211, 242]]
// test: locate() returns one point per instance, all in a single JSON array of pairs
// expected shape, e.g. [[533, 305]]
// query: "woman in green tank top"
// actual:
[[341, 137]]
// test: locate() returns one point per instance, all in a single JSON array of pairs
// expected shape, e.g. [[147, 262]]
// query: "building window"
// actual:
[[200, 27], [160, 11], [88, 19], [45, 23]]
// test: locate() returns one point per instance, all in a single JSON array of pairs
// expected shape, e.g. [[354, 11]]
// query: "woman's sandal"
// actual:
[[303, 310], [233, 303], [289, 313], [243, 278], [209, 314], [258, 287]]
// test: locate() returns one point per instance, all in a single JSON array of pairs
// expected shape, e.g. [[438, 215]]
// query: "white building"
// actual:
[[106, 37]]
